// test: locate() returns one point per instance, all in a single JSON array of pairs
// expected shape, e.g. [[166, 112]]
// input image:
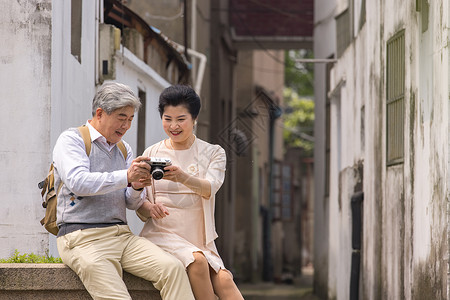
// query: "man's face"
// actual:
[[114, 126]]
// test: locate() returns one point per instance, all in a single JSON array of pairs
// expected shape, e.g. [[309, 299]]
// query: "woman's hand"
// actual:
[[175, 174], [153, 210], [201, 187], [158, 211]]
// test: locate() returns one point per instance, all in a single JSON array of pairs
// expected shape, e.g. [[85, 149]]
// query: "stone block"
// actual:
[[57, 281]]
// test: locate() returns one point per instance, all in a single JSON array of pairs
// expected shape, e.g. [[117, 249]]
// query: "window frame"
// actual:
[[395, 98]]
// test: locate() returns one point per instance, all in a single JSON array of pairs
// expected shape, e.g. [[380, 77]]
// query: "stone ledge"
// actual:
[[57, 281]]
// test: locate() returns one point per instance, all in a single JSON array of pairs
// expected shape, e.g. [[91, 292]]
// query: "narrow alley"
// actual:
[[300, 289]]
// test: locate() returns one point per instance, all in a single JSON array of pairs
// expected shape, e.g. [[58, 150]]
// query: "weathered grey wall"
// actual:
[[405, 244], [25, 62], [324, 47]]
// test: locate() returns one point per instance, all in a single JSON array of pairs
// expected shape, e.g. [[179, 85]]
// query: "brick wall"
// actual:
[[289, 18]]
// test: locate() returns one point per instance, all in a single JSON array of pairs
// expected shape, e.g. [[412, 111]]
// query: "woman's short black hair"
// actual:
[[180, 95]]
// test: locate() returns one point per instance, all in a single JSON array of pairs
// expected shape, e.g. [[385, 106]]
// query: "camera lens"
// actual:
[[157, 174]]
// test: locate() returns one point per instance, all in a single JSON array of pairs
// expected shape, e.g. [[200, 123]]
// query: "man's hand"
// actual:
[[139, 173]]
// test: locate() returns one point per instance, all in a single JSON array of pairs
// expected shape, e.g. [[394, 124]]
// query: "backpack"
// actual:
[[49, 195]]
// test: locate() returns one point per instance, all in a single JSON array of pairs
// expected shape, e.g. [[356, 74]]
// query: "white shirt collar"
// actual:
[[95, 135]]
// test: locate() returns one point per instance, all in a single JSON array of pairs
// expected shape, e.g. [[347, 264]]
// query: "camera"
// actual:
[[157, 165]]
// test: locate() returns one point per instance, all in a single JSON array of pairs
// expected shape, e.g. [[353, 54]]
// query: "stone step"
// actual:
[[57, 281]]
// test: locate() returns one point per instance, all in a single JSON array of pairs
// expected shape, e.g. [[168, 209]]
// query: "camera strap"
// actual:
[[153, 191], [153, 151]]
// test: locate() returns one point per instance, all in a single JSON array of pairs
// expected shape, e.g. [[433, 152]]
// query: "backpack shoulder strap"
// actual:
[[123, 149], [84, 131]]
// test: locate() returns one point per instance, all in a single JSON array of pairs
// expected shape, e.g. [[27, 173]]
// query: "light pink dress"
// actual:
[[184, 230]]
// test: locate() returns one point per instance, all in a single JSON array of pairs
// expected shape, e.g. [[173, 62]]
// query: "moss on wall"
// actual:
[[430, 275]]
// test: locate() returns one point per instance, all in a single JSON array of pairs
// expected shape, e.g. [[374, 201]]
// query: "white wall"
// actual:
[[25, 28], [73, 83], [45, 90], [324, 47], [347, 105]]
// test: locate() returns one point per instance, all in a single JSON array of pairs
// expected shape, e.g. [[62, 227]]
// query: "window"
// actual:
[[141, 124], [75, 37], [360, 15], [287, 211], [423, 7], [343, 31], [283, 205], [395, 94], [276, 213]]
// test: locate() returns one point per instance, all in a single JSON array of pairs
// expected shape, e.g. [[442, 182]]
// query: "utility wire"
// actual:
[[167, 18]]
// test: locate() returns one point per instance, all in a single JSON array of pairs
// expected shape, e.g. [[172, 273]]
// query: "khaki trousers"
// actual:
[[98, 256]]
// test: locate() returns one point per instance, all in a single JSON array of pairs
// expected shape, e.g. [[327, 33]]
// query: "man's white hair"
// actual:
[[112, 96]]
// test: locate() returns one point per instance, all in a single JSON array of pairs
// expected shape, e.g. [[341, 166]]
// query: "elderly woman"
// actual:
[[179, 213]]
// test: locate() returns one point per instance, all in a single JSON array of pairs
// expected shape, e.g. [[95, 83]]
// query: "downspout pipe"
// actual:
[[193, 31], [201, 65], [185, 30], [274, 113]]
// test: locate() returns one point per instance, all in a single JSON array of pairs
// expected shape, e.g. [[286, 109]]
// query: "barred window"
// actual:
[[395, 94]]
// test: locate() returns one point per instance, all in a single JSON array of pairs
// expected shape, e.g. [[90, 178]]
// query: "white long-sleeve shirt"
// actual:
[[72, 166]]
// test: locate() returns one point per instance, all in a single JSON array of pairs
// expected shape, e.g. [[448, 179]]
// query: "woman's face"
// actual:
[[178, 123]]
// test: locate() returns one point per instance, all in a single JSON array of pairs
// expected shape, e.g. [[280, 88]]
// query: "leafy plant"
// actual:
[[299, 122], [31, 258], [298, 100], [299, 76]]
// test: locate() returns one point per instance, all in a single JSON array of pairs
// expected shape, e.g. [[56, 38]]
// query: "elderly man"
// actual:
[[97, 187]]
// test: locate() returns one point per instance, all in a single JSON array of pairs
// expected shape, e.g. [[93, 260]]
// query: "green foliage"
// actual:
[[299, 122], [31, 258], [298, 95], [299, 76]]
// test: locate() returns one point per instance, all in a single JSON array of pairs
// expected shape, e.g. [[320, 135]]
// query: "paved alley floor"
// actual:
[[301, 289]]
